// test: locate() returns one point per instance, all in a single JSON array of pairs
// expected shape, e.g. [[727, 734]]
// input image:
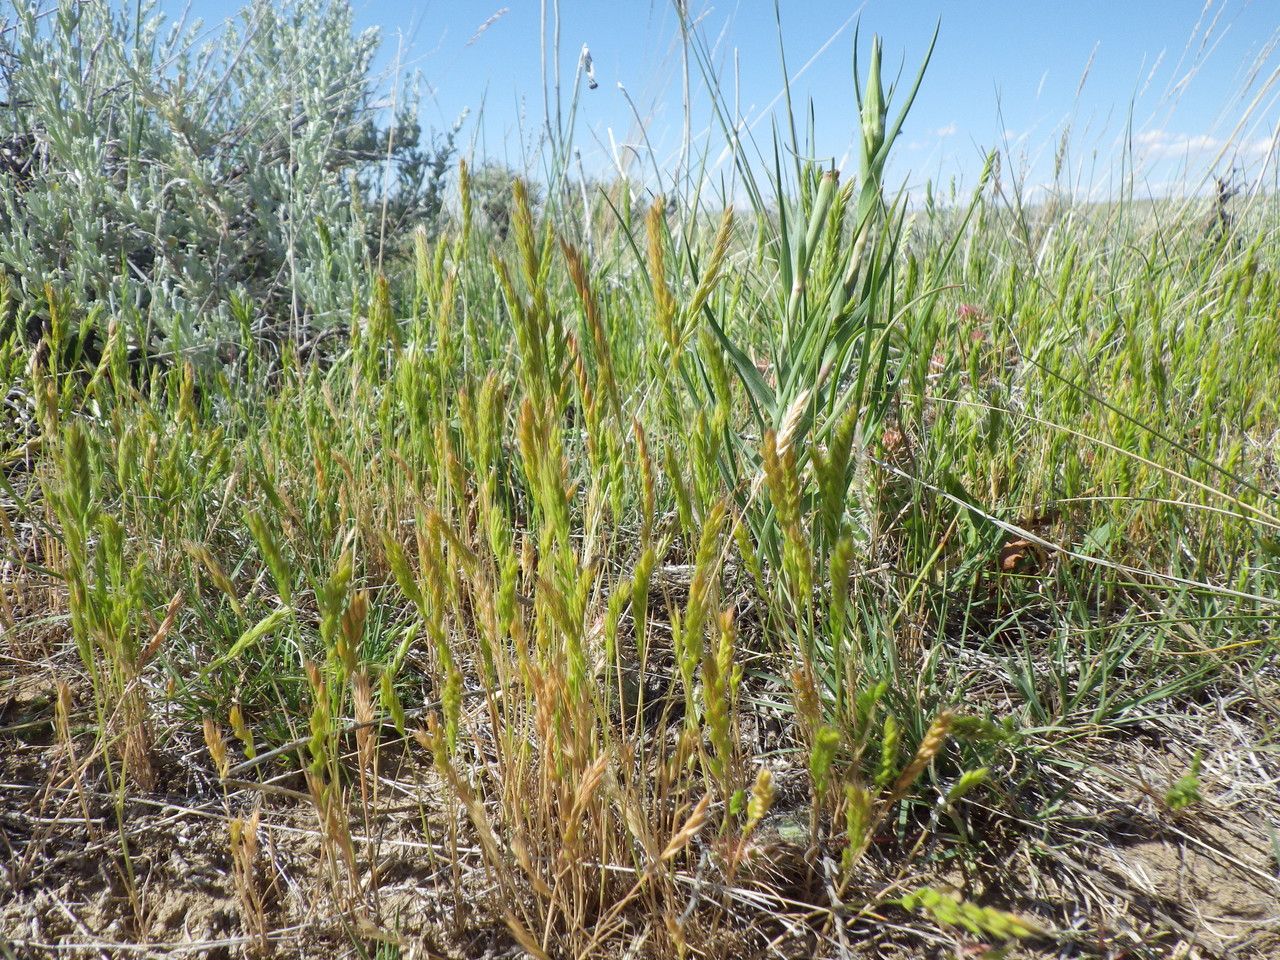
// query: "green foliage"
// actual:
[[635, 517], [1185, 792], [953, 911]]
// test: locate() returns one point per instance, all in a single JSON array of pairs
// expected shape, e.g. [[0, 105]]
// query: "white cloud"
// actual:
[[1262, 146], [1200, 142], [1161, 144], [1156, 145], [932, 142]]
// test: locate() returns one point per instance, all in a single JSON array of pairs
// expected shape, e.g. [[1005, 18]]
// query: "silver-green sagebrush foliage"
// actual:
[[191, 182]]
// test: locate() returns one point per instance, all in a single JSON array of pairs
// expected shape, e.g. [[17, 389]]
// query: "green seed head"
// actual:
[[874, 110]]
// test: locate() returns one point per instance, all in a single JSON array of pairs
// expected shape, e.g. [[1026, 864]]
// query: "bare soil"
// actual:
[[1109, 872]]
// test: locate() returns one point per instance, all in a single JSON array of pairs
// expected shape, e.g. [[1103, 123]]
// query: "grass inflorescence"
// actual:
[[744, 578]]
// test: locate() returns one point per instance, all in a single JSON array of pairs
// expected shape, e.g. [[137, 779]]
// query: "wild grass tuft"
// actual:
[[697, 582]]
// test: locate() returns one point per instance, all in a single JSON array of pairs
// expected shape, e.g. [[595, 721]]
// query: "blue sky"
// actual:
[[1005, 73]]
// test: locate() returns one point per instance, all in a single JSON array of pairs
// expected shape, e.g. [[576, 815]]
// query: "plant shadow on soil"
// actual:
[[1112, 876]]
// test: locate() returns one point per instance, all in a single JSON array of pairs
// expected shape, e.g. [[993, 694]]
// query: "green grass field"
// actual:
[[813, 574]]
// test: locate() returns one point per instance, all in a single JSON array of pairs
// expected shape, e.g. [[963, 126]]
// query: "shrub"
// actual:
[[168, 176]]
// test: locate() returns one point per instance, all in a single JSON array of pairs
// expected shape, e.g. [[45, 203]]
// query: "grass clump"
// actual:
[[720, 580]]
